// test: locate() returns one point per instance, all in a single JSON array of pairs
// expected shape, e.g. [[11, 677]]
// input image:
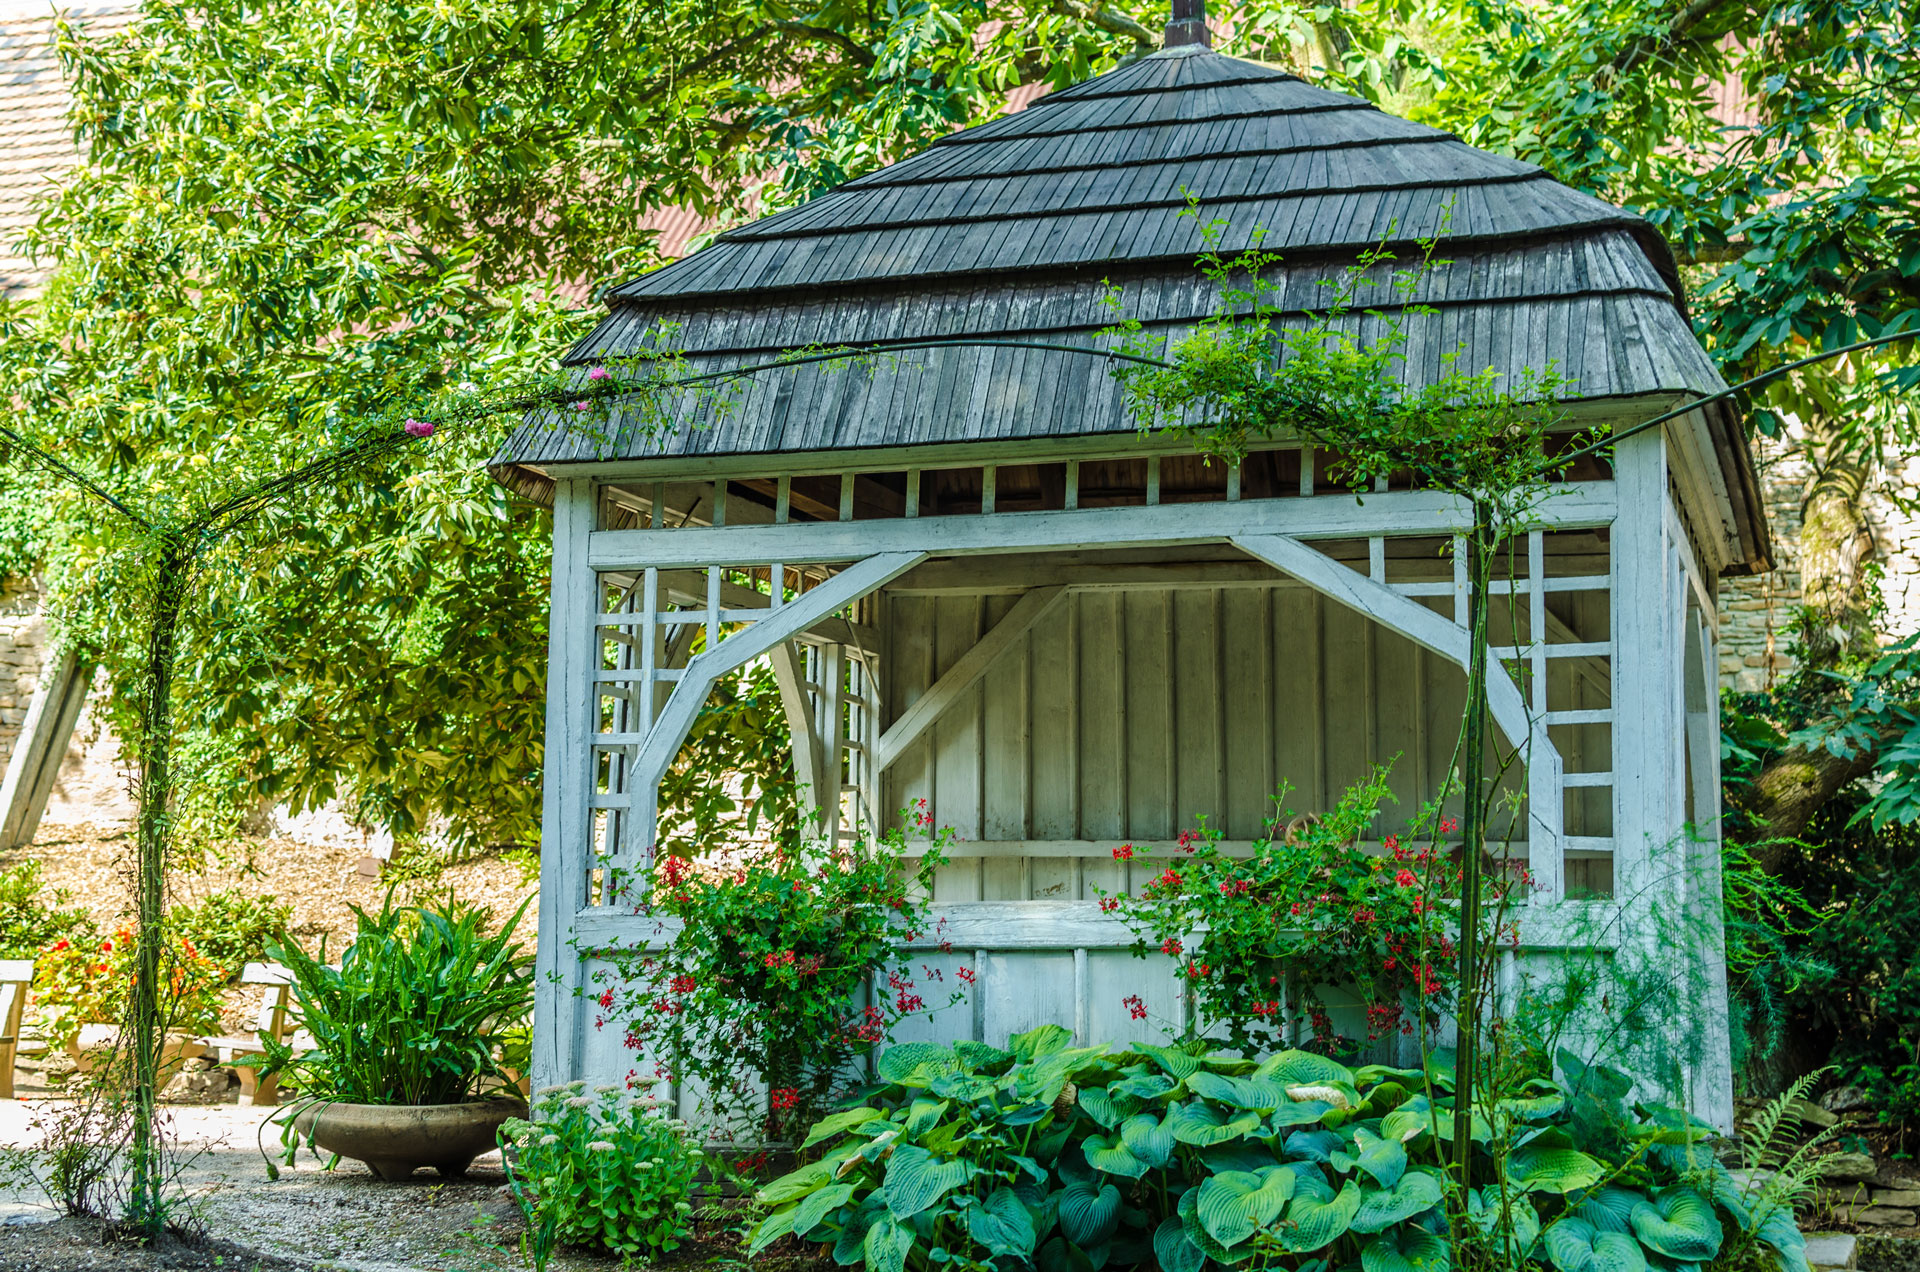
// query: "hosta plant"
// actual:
[[1076, 1158]]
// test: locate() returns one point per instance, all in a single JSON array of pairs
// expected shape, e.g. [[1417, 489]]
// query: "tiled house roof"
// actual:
[[36, 142]]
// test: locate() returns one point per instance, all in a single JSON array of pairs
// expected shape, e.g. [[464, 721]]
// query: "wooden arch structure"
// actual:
[[981, 585]]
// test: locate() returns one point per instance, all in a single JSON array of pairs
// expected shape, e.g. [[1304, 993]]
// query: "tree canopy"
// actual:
[[292, 214]]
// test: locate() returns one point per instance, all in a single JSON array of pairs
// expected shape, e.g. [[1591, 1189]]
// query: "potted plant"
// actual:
[[81, 985], [397, 1050]]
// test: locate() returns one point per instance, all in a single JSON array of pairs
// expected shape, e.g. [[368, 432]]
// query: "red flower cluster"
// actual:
[[1266, 1009], [683, 984], [675, 871], [1135, 1005], [1197, 971], [782, 959], [1188, 838], [1168, 880], [872, 1028], [1405, 879], [1235, 887], [784, 1097], [965, 974], [1171, 945], [1109, 904], [1123, 853]]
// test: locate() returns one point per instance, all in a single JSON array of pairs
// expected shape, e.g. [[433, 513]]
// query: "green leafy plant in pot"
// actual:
[[398, 1050]]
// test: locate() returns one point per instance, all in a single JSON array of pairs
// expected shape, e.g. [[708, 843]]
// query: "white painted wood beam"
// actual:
[[797, 702], [690, 692], [960, 677], [1449, 640], [1319, 517]]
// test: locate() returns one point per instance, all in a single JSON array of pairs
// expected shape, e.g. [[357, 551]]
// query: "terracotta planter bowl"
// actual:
[[394, 1140]]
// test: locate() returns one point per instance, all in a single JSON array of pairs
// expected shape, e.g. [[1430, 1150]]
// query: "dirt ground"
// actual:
[[320, 880]]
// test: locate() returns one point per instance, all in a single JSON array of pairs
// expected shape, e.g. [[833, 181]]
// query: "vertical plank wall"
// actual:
[[1129, 714]]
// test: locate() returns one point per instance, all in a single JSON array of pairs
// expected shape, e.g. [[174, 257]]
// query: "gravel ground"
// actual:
[[310, 1219]]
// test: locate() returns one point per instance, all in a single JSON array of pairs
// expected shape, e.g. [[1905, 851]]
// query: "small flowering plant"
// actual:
[[603, 1168], [1256, 939], [86, 981], [776, 971]]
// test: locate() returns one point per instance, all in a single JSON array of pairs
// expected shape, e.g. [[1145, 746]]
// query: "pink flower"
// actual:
[[580, 406], [598, 373], [419, 428]]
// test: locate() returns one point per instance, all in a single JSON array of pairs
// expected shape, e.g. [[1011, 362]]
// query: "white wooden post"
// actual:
[[566, 826], [1653, 860]]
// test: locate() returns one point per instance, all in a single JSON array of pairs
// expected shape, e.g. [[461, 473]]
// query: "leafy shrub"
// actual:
[[1310, 907], [28, 924], [602, 1168], [974, 1157], [416, 1011], [754, 995], [232, 927], [86, 981]]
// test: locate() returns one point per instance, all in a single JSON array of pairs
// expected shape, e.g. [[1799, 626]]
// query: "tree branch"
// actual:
[[1645, 47], [826, 35], [1792, 787], [1106, 19]]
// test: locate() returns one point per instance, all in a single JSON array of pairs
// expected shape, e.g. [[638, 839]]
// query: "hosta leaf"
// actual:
[[1131, 1095], [1238, 1155], [1546, 1168], [1059, 1255], [1574, 1245], [1239, 1093], [1175, 1250], [1515, 1225], [1298, 1113], [963, 1086], [1002, 1225], [1313, 1146], [1148, 1138], [1040, 1042], [1384, 1159], [1234, 1205], [922, 1116], [809, 1214], [1099, 1106], [1107, 1153], [1410, 1121], [1319, 1223], [1190, 1220], [1303, 1068], [851, 1247], [916, 1179], [886, 1245], [1678, 1223], [1089, 1213], [771, 1229], [838, 1122], [1381, 1208], [797, 1184], [1609, 1209], [982, 1057], [1175, 1062], [1408, 1250], [905, 1060], [1202, 1124]]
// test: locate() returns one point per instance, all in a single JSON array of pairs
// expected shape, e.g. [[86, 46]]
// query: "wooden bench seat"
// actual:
[[271, 1019]]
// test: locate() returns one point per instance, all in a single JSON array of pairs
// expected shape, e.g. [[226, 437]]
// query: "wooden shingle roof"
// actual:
[[1016, 228]]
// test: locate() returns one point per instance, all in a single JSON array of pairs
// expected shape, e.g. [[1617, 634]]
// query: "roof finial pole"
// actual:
[[1189, 25]]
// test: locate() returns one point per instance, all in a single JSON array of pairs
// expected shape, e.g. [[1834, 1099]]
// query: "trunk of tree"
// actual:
[[1835, 546], [1836, 622]]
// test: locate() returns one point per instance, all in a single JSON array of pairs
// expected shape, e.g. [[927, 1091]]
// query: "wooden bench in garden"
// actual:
[[16, 975], [271, 1020]]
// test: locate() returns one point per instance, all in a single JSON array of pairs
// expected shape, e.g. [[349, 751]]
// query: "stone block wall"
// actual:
[[23, 646], [1756, 614]]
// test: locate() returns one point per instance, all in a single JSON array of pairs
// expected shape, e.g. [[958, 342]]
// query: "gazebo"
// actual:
[[981, 584]]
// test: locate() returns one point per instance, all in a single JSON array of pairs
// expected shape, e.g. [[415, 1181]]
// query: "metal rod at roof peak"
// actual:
[[1189, 25]]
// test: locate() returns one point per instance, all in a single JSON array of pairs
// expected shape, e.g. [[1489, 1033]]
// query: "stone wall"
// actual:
[[1756, 623], [23, 644]]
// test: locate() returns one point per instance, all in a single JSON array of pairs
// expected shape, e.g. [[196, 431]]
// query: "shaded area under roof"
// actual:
[[1015, 229]]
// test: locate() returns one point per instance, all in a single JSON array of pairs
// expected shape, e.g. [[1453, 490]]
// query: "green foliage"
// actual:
[[232, 927], [756, 995], [1246, 373], [603, 1169], [733, 778], [30, 922], [416, 1011], [1309, 908], [81, 979], [975, 1157]]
